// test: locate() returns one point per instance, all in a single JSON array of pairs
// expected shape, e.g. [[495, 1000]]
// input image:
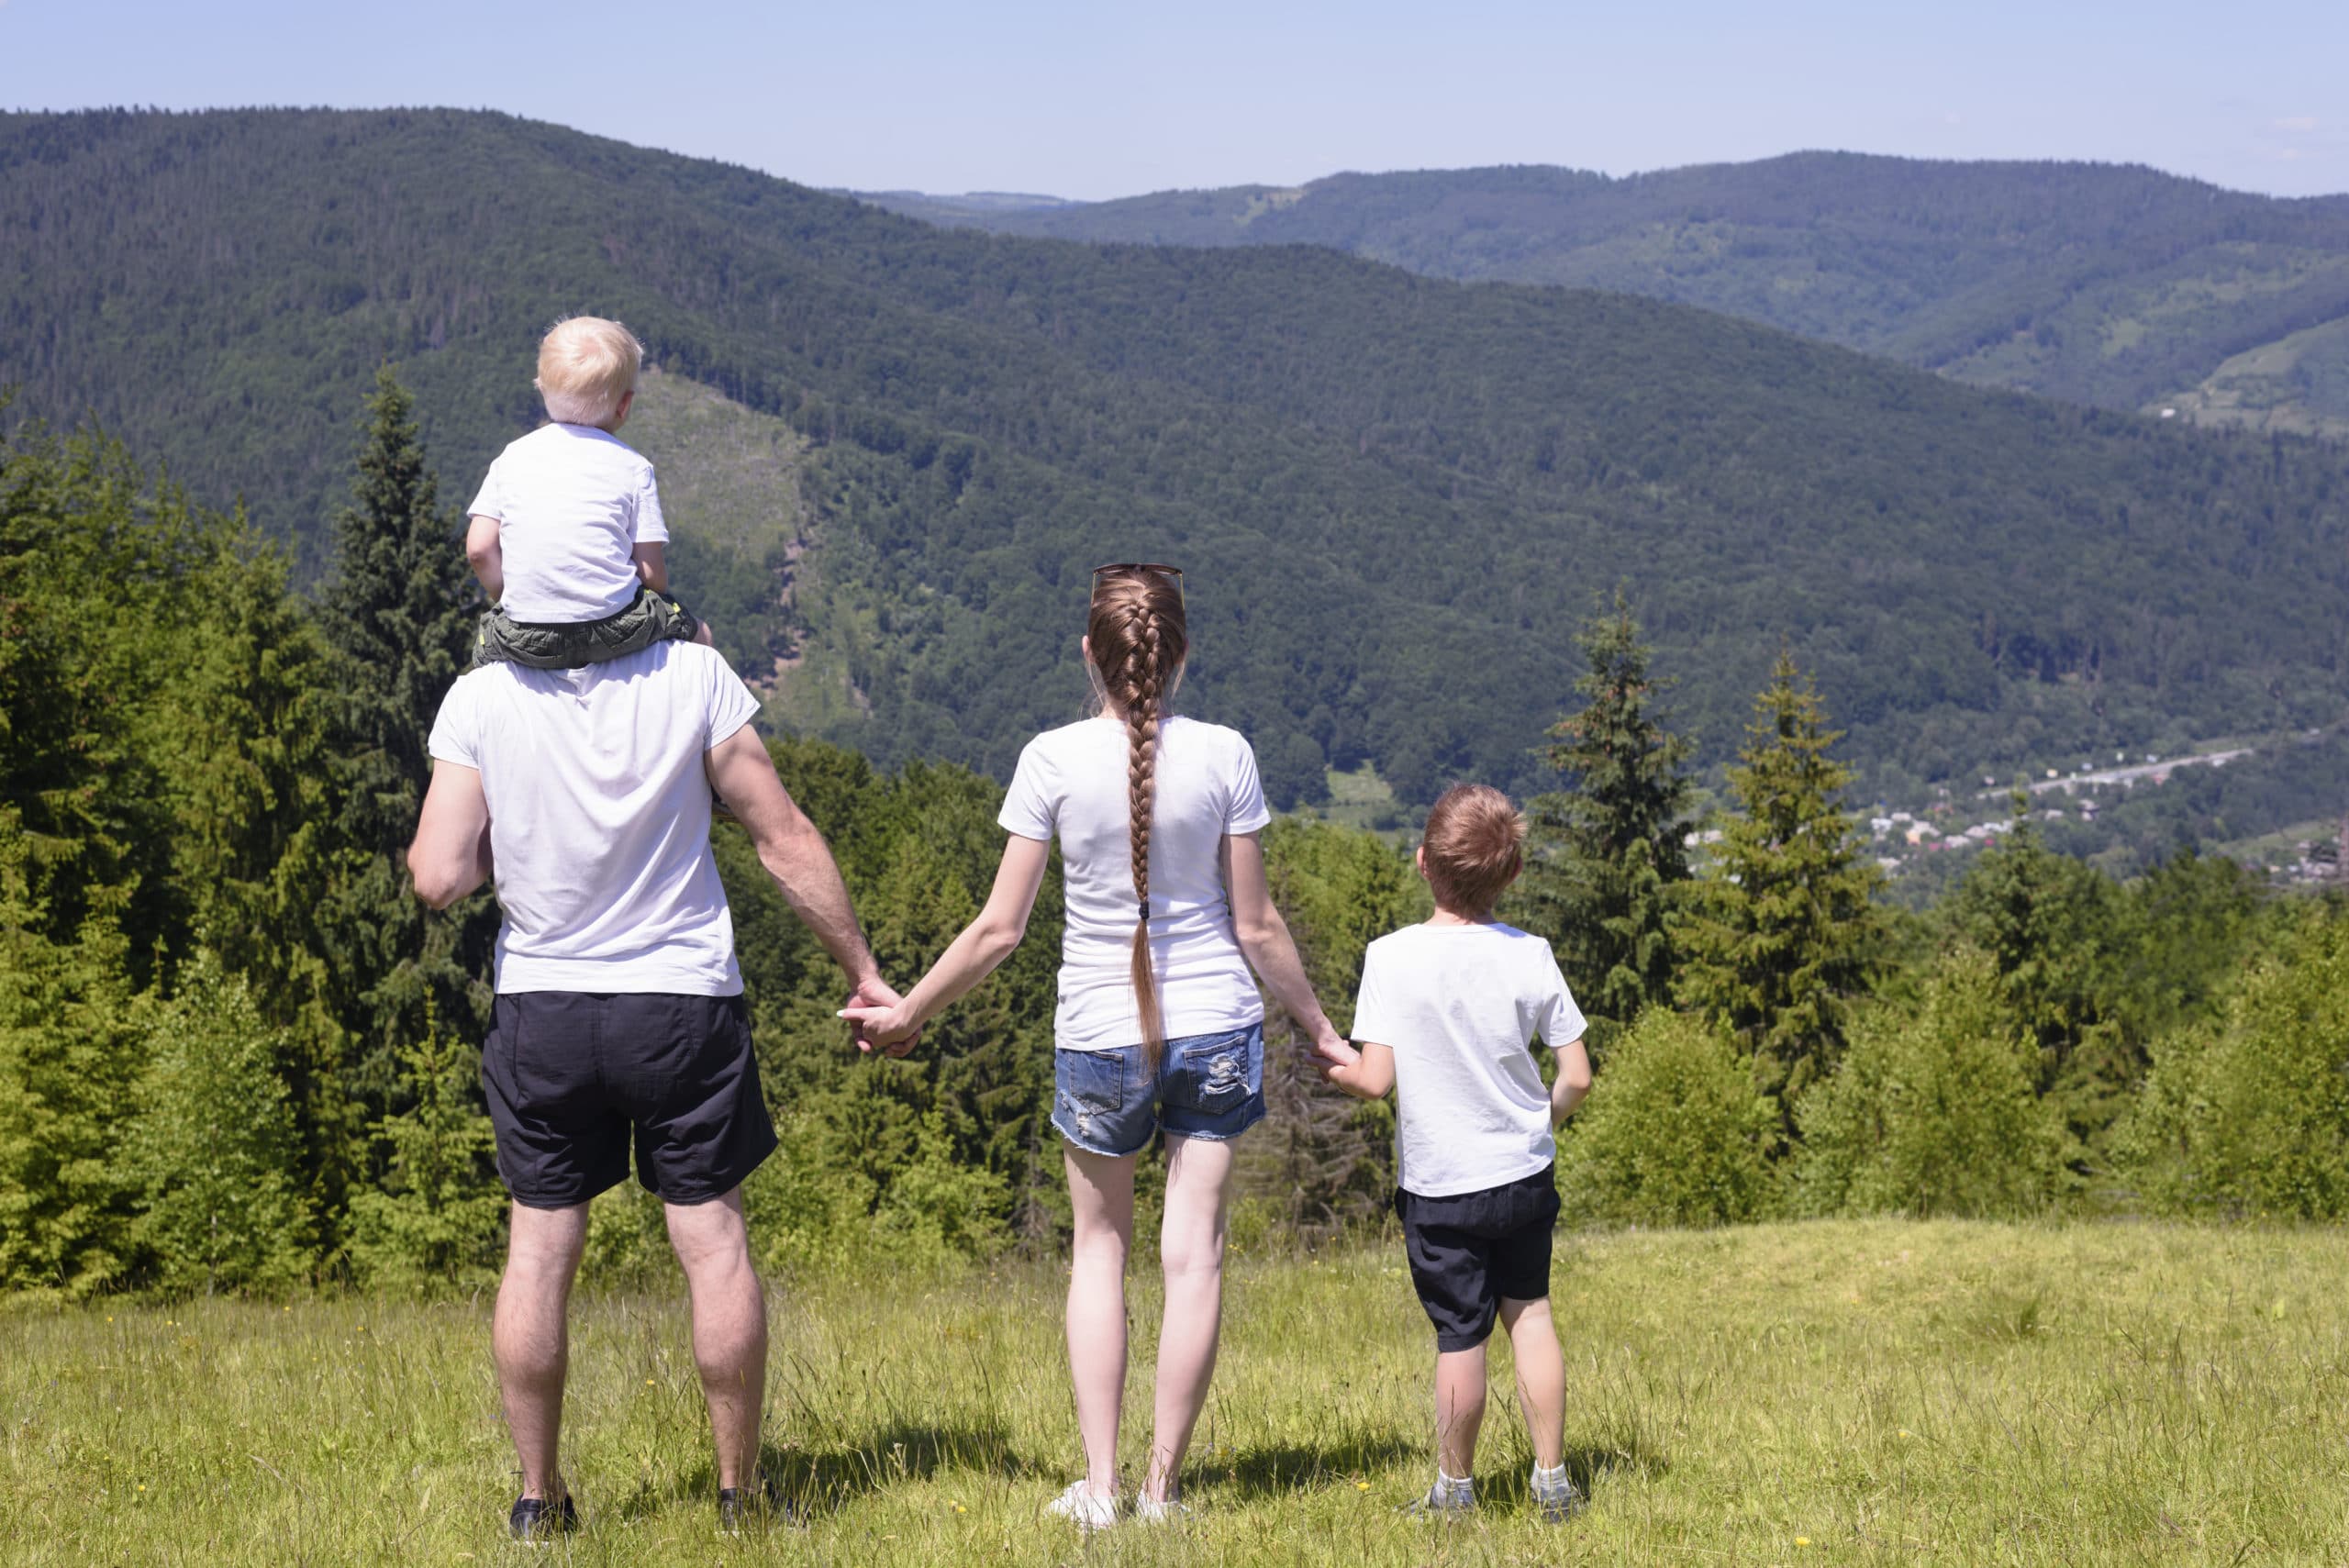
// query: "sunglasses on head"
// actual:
[[1124, 568]]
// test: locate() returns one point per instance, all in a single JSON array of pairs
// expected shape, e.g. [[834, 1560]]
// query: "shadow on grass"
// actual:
[[1588, 1466], [818, 1478], [1269, 1470]]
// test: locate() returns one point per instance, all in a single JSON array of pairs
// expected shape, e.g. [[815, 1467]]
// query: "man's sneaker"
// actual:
[[535, 1519], [1444, 1501], [1152, 1510], [741, 1507], [1081, 1504]]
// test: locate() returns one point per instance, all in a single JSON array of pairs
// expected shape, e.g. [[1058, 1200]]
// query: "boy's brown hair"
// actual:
[[1472, 848]]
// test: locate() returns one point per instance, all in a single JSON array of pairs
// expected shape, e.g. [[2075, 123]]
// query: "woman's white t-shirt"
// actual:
[[1460, 1005], [1071, 783]]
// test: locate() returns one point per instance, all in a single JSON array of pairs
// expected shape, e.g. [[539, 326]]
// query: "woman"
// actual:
[[1159, 1024]]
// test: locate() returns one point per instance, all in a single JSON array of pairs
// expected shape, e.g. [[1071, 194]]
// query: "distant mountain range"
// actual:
[[896, 450], [2113, 286]]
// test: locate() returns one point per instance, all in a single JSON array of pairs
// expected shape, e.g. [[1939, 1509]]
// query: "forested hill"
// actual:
[[1395, 494], [2108, 285]]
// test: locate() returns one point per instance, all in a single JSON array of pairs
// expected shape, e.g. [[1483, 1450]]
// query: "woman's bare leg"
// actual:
[[1191, 1250], [1101, 1192]]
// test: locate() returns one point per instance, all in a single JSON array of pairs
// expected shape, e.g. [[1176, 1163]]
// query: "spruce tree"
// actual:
[[2052, 925], [436, 1218], [1781, 938], [1606, 858], [398, 612], [214, 1148]]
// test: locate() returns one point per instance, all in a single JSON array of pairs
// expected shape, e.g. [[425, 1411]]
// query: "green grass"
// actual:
[[1851, 1393], [1363, 800]]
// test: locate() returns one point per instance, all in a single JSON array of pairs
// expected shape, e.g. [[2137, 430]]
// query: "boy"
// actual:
[[566, 534], [1446, 1015]]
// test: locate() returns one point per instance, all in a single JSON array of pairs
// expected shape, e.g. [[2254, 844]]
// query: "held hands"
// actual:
[[1330, 1053], [884, 1021]]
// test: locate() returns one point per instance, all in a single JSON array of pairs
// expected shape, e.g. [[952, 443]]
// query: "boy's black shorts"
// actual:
[[649, 617], [1470, 1249], [573, 1079]]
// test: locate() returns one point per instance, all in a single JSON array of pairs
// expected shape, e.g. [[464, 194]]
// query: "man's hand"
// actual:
[[883, 1019]]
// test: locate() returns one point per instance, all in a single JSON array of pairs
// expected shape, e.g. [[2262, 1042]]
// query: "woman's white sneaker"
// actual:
[[1153, 1510], [1087, 1509]]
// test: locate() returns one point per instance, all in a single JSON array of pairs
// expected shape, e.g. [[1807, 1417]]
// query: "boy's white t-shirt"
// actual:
[[599, 817], [1460, 1006], [1071, 783], [571, 503]]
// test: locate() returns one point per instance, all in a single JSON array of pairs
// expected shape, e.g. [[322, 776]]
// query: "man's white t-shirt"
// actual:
[[1071, 782], [571, 503], [1460, 1006], [599, 817]]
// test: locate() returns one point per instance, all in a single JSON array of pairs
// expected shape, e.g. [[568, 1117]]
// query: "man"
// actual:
[[586, 794]]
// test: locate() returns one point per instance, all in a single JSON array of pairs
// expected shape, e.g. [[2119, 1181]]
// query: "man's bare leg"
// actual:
[[730, 1309], [529, 1336]]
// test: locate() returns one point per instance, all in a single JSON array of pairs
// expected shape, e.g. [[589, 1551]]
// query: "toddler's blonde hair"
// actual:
[[586, 365]]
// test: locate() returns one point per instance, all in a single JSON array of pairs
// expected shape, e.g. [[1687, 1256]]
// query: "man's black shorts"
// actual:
[[1470, 1249], [572, 1077]]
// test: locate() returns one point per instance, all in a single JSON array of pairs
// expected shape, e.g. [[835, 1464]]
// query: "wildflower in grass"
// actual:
[[1802, 1540]]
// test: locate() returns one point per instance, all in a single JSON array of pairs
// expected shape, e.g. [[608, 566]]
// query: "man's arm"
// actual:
[[487, 555], [795, 854], [451, 855], [652, 565]]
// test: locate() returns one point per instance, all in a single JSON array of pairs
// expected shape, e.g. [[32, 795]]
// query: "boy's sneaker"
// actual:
[[1080, 1504], [535, 1519], [762, 1505], [1152, 1510], [1447, 1499], [1558, 1497]]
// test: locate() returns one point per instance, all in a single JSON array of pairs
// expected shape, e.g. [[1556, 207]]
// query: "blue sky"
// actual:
[[1100, 99]]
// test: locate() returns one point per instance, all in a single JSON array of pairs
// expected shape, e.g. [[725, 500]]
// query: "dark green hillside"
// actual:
[[2107, 285], [1396, 494]]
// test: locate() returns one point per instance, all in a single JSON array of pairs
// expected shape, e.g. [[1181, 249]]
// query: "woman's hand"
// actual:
[[1333, 1050], [885, 1021]]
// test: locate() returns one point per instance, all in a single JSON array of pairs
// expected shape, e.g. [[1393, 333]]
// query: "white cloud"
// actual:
[[2298, 123]]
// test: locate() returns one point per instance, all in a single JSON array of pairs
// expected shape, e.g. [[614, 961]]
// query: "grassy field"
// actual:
[[1839, 1393]]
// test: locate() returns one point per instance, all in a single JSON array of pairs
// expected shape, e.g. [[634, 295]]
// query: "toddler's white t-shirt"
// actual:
[[1071, 782], [1460, 1006], [571, 503]]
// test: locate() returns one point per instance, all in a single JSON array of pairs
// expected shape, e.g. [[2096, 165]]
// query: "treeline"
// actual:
[[237, 1055], [1395, 494]]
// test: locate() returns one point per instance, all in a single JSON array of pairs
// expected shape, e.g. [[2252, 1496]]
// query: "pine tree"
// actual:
[[214, 1148], [437, 1216], [1782, 936], [1608, 858], [398, 613]]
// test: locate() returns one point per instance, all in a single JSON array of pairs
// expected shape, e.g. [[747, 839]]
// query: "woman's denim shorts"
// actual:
[[1208, 1085]]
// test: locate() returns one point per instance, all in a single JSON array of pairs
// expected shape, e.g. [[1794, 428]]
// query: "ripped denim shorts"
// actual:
[[1208, 1085]]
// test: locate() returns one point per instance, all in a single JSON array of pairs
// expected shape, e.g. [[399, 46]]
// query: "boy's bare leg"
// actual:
[[530, 1336], [1458, 1409], [729, 1308], [1190, 1249], [1101, 1196], [1541, 1377]]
